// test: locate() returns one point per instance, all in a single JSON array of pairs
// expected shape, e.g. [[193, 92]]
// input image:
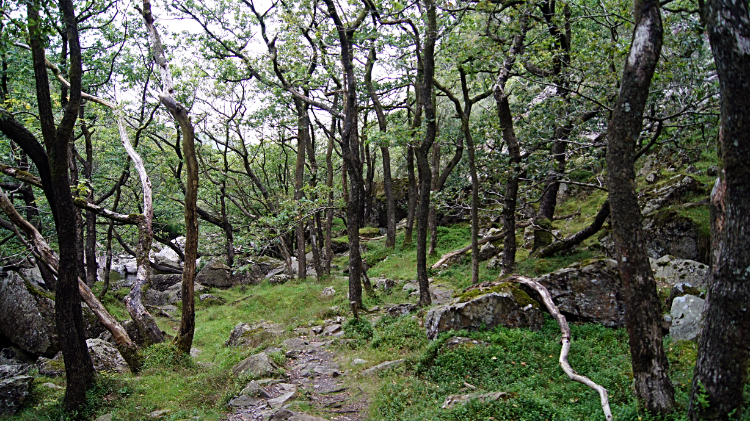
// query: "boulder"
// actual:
[[687, 318], [8, 371], [27, 316], [253, 335], [379, 208], [106, 357], [402, 309], [258, 366], [278, 279], [502, 304], [673, 271], [671, 191], [163, 282], [215, 274], [174, 293], [211, 299], [328, 292], [680, 290], [383, 284], [255, 269], [487, 251], [589, 290], [683, 235], [13, 393], [155, 297], [167, 257]]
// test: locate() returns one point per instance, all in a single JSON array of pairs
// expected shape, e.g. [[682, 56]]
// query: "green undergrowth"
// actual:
[[523, 364]]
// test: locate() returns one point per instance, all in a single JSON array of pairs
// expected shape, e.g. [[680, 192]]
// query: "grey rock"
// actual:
[[278, 279], [14, 355], [506, 306], [673, 271], [155, 297], [287, 415], [159, 413], [358, 361], [454, 400], [589, 290], [174, 293], [281, 400], [683, 289], [487, 251], [675, 189], [244, 401], [257, 366], [106, 357], [462, 342], [402, 309], [411, 287], [295, 344], [331, 329], [495, 263], [215, 274], [167, 257], [8, 371], [253, 389], [687, 318], [382, 367], [712, 171], [210, 298], [13, 393], [327, 292], [27, 316], [105, 417], [440, 294], [383, 284], [669, 232], [253, 335], [163, 282], [651, 177]]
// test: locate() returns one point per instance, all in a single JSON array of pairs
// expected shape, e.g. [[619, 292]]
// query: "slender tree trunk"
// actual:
[[642, 316], [329, 211], [303, 127], [432, 216], [413, 198], [721, 369], [184, 338], [90, 248], [509, 136], [350, 151], [423, 150]]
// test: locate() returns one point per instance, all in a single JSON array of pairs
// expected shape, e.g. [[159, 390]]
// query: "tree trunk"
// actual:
[[642, 316], [90, 247], [79, 370], [721, 368], [329, 211], [303, 127], [350, 151], [514, 150], [432, 217], [184, 338], [422, 151], [576, 238], [413, 198]]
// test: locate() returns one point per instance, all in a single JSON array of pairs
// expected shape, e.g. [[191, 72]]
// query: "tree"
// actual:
[[650, 367], [184, 338], [721, 369]]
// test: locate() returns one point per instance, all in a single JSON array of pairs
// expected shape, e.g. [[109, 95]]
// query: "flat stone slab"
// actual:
[[245, 401], [382, 367]]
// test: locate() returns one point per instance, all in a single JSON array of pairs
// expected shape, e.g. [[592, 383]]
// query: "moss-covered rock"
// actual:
[[369, 232], [502, 304], [27, 316], [683, 233]]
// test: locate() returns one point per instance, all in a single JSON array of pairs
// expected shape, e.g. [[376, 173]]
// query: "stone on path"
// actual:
[[244, 401], [258, 366]]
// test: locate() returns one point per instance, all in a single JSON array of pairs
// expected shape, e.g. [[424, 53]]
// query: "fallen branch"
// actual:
[[565, 330], [454, 253], [576, 238]]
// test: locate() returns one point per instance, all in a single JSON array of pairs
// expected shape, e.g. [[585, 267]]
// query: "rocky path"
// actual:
[[311, 375]]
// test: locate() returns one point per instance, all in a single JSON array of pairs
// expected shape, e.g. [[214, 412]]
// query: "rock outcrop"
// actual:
[[13, 393], [257, 366], [105, 356], [589, 290], [669, 231], [27, 316], [502, 304], [671, 191], [215, 274], [253, 335], [673, 271]]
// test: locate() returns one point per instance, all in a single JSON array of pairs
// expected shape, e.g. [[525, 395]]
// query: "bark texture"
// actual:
[[721, 369], [642, 318]]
